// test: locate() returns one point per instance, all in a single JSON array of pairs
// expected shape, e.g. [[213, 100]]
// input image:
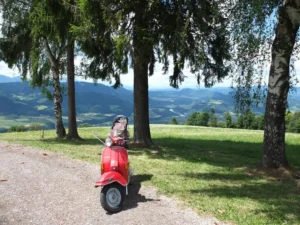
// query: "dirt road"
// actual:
[[39, 187]]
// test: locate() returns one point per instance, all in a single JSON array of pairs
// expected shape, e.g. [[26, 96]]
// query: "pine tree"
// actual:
[[228, 119], [174, 121], [145, 32], [213, 120]]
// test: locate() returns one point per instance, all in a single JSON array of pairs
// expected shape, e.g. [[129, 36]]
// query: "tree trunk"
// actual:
[[72, 133], [141, 100], [57, 98], [274, 155]]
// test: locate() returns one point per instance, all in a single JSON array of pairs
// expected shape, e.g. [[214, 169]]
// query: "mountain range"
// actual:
[[98, 104]]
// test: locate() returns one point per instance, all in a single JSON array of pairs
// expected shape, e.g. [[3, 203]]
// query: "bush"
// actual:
[[294, 123], [259, 122], [246, 120], [174, 121], [198, 119], [84, 125], [222, 124], [228, 119], [17, 129], [213, 120], [35, 127]]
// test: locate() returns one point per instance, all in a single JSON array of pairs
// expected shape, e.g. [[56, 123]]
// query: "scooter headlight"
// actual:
[[108, 142]]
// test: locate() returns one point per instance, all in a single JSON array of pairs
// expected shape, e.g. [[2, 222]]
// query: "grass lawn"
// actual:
[[212, 170], [42, 107], [8, 123]]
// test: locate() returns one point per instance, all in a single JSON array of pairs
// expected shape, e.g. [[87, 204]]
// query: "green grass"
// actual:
[[9, 123], [41, 107], [25, 97], [216, 102], [212, 170]]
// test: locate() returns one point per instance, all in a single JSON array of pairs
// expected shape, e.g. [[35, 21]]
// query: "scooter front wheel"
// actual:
[[112, 197]]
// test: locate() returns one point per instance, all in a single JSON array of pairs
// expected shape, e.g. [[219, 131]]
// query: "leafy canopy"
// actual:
[[186, 32]]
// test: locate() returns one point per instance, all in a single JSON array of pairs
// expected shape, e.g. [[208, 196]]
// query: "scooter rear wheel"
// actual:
[[112, 197]]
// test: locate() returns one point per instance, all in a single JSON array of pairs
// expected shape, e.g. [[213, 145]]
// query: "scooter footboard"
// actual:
[[110, 177]]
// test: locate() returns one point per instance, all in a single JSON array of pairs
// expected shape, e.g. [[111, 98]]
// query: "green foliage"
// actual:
[[193, 32], [222, 125], [249, 118], [15, 40], [213, 120], [193, 119], [228, 119], [204, 119], [198, 119], [259, 122], [34, 39], [17, 129], [174, 121], [49, 19], [294, 123], [246, 120], [35, 127], [288, 117], [106, 53], [252, 32]]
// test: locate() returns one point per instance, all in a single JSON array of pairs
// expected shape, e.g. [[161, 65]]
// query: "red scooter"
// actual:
[[115, 172]]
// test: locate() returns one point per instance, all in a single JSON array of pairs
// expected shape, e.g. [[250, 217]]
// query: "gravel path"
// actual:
[[39, 187]]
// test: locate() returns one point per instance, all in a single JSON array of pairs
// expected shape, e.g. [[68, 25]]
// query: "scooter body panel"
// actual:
[[114, 166], [110, 177]]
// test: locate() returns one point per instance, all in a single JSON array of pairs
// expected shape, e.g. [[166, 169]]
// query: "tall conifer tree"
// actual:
[[150, 31]]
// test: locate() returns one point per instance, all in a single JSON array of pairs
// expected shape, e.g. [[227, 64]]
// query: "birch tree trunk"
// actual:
[[274, 155], [57, 98], [57, 95]]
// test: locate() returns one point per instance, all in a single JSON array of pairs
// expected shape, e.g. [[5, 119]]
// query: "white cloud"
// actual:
[[4, 70]]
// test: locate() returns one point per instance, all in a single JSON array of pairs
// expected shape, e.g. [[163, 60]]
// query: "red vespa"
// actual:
[[115, 173]]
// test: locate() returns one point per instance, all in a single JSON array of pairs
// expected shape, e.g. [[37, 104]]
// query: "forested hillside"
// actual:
[[97, 104]]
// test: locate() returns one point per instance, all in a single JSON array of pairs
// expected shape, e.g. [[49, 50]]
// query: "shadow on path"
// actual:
[[134, 196]]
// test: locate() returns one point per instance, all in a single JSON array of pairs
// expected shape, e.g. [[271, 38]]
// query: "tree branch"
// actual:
[[49, 52], [62, 49]]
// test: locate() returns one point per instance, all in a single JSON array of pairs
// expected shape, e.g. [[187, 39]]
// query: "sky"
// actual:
[[156, 81]]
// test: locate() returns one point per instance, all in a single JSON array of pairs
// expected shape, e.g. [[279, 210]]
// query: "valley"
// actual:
[[98, 104]]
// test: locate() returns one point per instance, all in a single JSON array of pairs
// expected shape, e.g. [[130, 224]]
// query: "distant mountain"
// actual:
[[98, 104], [6, 79]]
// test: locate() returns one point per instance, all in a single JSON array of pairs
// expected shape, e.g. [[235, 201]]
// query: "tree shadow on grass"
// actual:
[[279, 202], [228, 154], [85, 141]]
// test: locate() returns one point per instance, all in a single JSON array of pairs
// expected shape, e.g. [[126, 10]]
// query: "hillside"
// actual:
[[97, 104], [6, 79]]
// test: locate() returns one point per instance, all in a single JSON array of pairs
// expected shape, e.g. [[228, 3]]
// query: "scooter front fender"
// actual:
[[110, 177]]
